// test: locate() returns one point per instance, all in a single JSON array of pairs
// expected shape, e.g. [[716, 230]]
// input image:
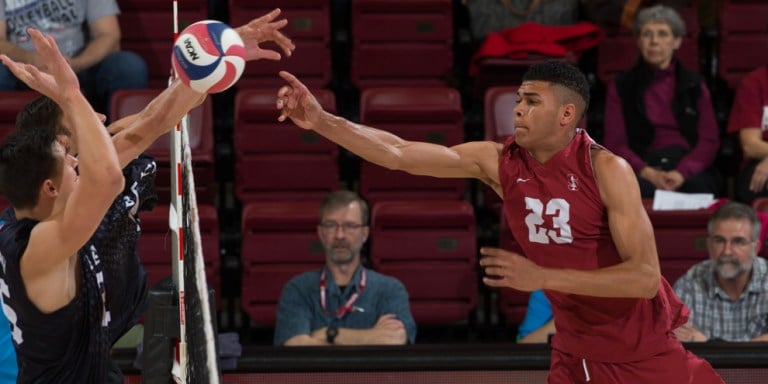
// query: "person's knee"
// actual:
[[8, 81], [123, 70]]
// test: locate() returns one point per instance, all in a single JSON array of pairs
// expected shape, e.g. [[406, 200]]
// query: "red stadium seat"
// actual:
[[11, 103], [681, 239], [743, 38], [279, 161], [499, 124], [618, 51], [128, 102], [430, 246], [309, 29], [512, 303], [155, 245], [405, 42], [431, 114], [147, 29], [279, 241]]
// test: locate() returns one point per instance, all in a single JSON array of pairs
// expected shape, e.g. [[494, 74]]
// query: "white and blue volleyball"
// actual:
[[209, 56]]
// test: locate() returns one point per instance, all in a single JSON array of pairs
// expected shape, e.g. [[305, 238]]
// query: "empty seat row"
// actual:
[[394, 42]]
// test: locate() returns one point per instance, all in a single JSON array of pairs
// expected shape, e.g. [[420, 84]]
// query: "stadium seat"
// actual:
[[279, 241], [279, 161], [11, 103], [431, 114], [430, 246], [743, 38], [760, 205], [155, 245], [147, 29], [681, 239], [309, 29], [618, 51], [512, 303], [128, 102], [402, 42]]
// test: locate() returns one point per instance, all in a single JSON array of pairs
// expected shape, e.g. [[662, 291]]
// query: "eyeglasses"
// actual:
[[736, 242], [332, 226]]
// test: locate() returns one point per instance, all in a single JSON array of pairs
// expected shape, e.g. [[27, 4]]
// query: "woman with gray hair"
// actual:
[[659, 115]]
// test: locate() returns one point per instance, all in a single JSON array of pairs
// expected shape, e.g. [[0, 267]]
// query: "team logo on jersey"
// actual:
[[573, 182]]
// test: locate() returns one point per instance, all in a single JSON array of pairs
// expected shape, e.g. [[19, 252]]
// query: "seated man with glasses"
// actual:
[[343, 303], [727, 294]]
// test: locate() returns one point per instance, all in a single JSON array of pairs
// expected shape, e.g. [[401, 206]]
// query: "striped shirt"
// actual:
[[715, 314]]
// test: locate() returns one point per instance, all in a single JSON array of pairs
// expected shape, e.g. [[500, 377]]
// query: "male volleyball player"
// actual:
[[576, 210], [57, 266]]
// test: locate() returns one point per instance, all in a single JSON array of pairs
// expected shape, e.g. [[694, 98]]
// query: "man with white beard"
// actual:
[[727, 294]]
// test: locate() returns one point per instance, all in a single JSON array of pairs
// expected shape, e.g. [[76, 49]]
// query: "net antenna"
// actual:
[[196, 353]]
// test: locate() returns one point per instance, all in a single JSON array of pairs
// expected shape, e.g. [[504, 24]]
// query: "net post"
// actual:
[[161, 328]]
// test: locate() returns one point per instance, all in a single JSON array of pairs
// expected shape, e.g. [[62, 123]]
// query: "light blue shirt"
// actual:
[[299, 310], [539, 312], [8, 366]]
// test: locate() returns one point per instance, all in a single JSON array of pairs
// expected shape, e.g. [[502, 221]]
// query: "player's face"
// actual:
[[343, 234], [732, 248], [657, 44], [68, 176], [536, 114]]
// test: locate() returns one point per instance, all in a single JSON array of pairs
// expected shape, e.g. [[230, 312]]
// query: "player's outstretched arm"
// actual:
[[475, 159], [55, 239]]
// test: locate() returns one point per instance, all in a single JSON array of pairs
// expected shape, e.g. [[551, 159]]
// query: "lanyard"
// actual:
[[347, 307]]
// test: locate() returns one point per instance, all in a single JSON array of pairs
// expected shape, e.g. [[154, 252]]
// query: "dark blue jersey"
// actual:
[[71, 345]]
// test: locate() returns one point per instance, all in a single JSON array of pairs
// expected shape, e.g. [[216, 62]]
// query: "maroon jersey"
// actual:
[[557, 215]]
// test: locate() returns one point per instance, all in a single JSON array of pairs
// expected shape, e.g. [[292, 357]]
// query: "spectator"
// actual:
[[88, 34], [539, 322], [749, 117], [353, 305], [659, 115], [728, 294]]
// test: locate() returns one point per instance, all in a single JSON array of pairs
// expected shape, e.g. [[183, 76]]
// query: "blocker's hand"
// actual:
[[510, 270], [264, 29]]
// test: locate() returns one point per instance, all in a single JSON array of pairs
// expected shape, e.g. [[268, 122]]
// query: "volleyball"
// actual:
[[208, 56]]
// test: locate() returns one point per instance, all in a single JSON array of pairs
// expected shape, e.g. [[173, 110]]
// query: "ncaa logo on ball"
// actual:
[[209, 56]]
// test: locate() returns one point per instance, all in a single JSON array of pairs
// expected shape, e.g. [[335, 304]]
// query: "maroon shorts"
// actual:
[[674, 366]]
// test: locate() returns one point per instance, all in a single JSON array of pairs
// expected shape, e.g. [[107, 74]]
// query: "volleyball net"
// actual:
[[197, 352]]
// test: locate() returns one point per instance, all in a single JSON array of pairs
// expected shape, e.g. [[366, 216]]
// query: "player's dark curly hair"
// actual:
[[560, 73]]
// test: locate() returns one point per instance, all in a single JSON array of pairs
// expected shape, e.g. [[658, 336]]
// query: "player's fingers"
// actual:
[[270, 16], [291, 79], [270, 55]]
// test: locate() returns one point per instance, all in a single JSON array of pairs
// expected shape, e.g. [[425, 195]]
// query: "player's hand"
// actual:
[[264, 29], [759, 177], [511, 270], [296, 102], [60, 79]]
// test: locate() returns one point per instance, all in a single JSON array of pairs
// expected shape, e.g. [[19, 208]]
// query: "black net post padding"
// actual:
[[161, 329]]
